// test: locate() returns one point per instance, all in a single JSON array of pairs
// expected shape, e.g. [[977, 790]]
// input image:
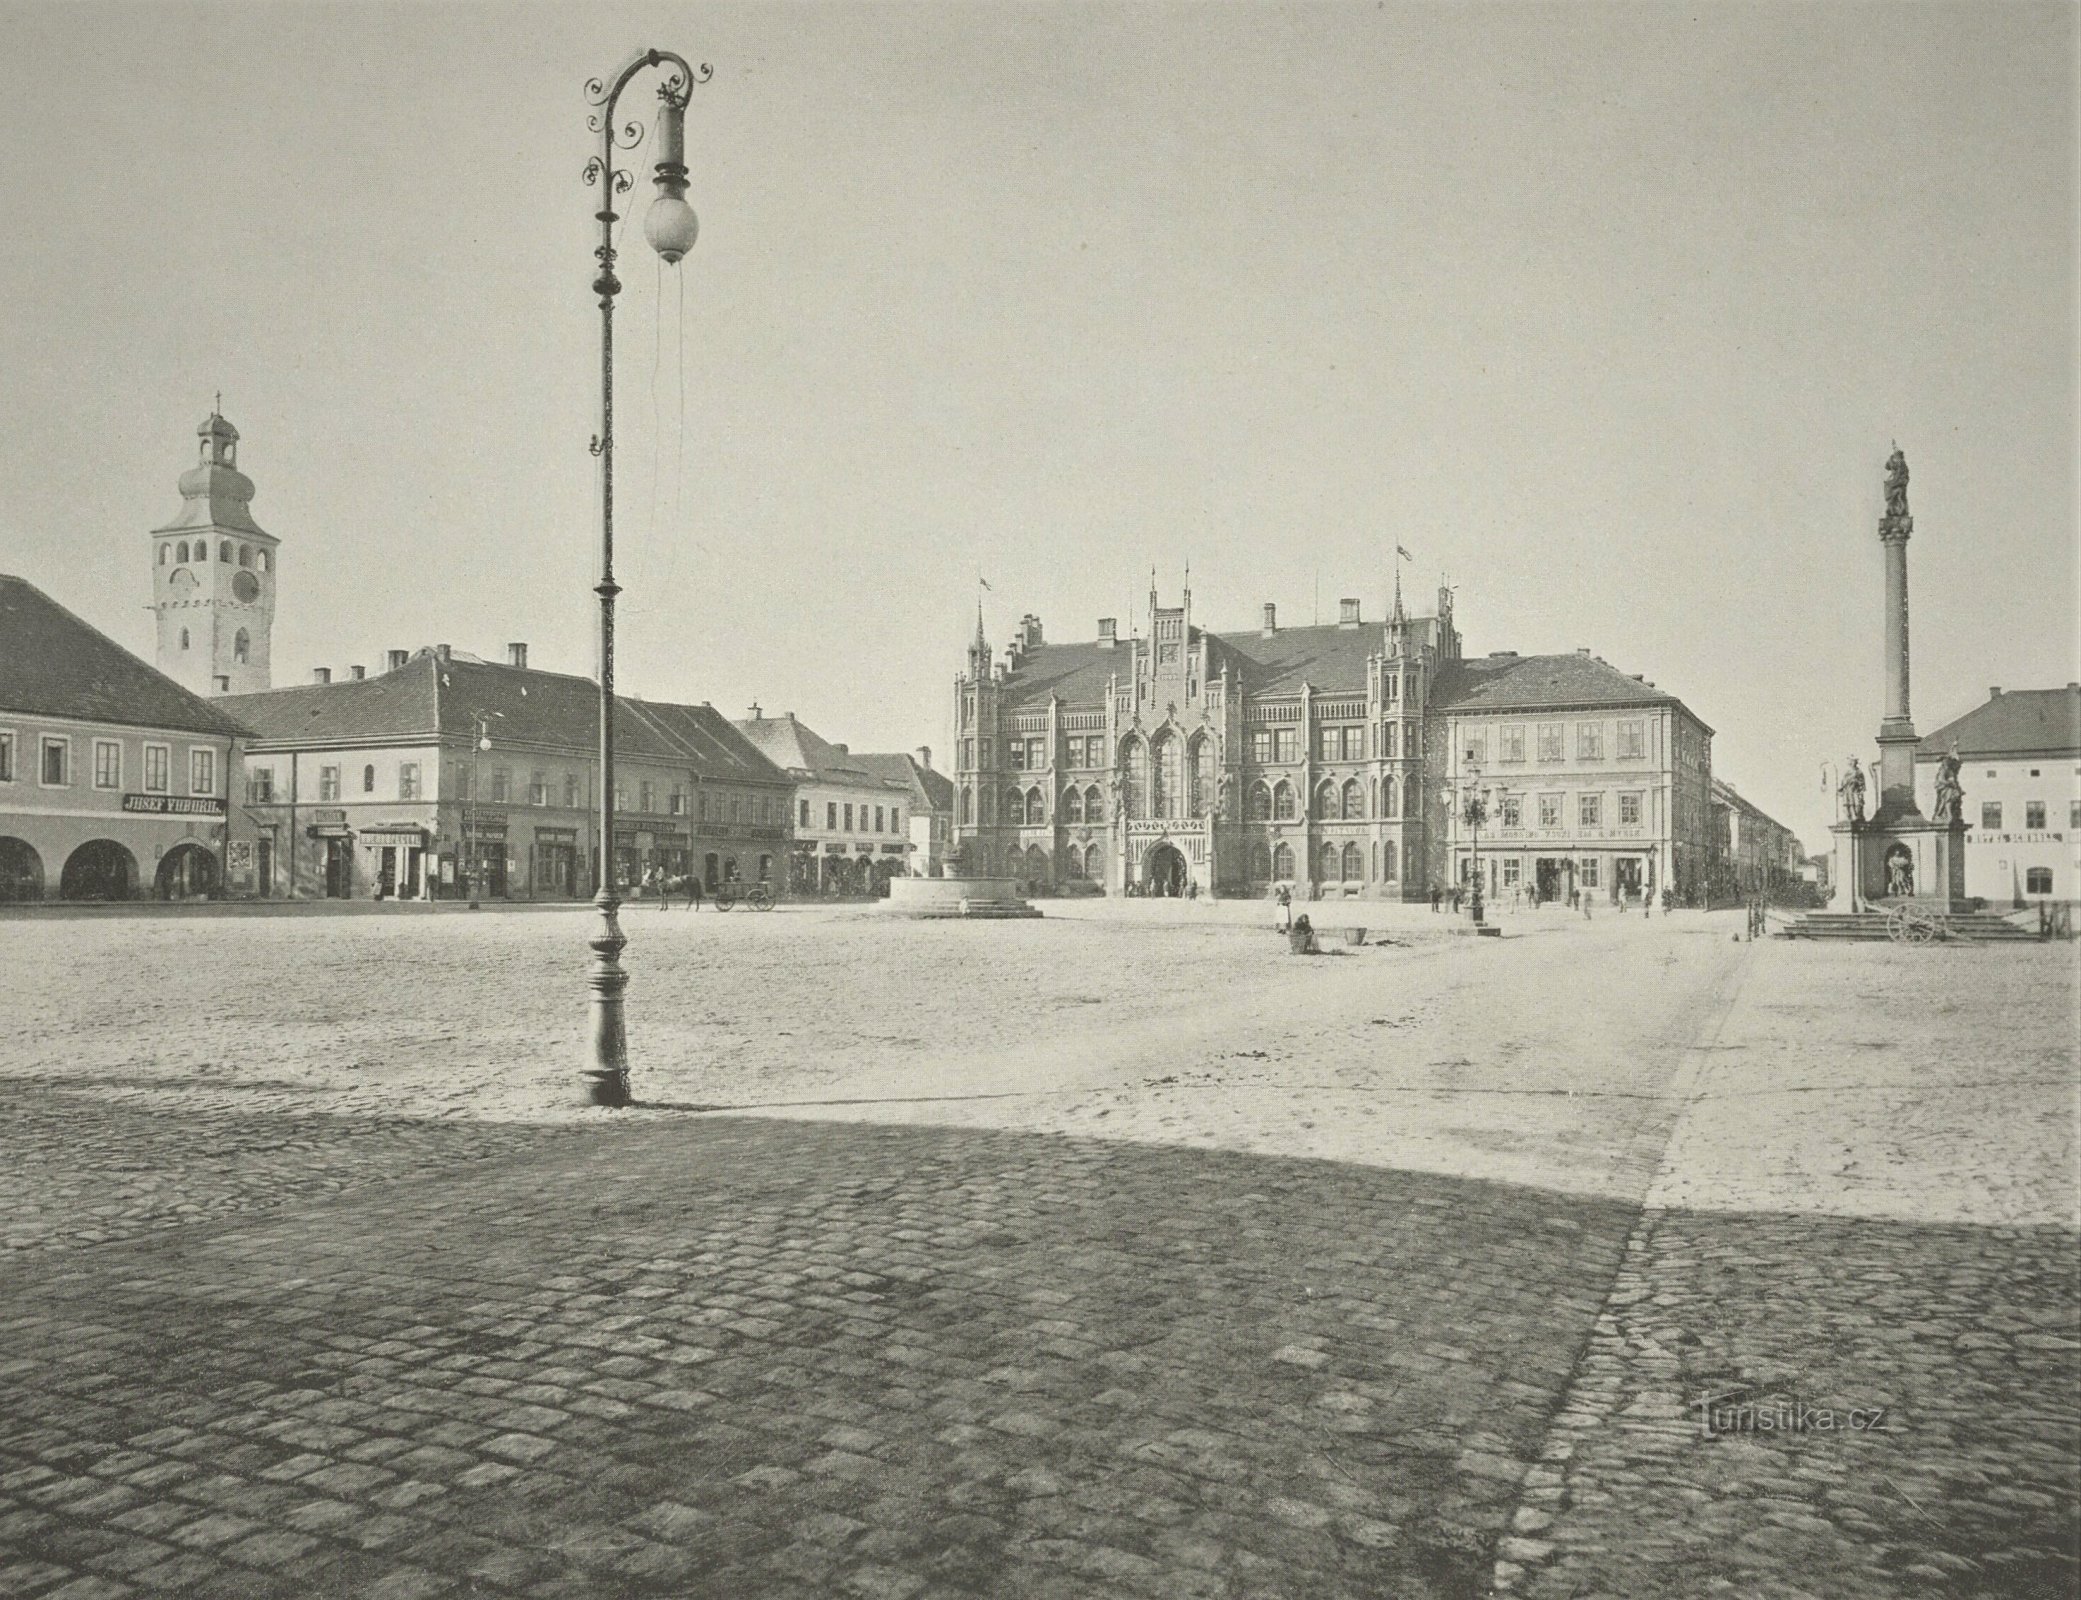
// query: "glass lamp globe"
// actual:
[[671, 227]]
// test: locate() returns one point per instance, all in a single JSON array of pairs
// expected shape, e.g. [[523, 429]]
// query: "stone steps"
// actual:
[[1972, 927]]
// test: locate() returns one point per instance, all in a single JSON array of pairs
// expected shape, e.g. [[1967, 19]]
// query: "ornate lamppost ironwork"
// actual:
[[1473, 805], [671, 230]]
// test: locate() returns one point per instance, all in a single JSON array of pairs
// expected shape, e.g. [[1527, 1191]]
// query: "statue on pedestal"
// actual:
[[1896, 485], [1851, 791], [1950, 793], [1225, 799], [1900, 871]]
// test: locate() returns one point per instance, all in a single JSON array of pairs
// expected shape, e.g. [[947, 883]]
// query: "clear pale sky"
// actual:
[[1612, 313]]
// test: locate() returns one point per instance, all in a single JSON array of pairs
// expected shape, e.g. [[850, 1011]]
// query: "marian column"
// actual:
[[1897, 727]]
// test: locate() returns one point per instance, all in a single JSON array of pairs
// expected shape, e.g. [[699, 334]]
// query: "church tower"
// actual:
[[213, 576]]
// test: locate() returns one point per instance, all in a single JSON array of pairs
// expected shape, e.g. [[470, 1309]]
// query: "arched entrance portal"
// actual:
[[1164, 873], [21, 871], [100, 869], [187, 872]]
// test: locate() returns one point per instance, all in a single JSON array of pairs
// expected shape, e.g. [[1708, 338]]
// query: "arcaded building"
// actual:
[[1334, 759]]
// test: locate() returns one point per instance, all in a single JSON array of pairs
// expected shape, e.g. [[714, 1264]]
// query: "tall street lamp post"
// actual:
[[671, 229], [1473, 800], [472, 849]]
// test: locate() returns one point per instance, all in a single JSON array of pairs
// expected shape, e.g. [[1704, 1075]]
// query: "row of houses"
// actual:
[[443, 775]]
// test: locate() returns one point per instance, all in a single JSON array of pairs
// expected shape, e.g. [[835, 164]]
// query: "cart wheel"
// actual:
[[762, 898], [1924, 930], [1897, 926], [723, 902]]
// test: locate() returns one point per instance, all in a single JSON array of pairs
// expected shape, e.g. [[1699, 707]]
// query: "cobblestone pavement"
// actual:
[[1134, 1260]]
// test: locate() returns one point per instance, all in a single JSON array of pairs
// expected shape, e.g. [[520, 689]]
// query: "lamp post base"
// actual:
[[607, 1073]]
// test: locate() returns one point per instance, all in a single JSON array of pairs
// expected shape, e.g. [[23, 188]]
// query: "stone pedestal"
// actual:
[[1934, 853]]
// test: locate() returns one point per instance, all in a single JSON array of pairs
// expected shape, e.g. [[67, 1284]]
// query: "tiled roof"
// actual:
[[524, 706], [1330, 657], [929, 790], [2038, 722], [1509, 683], [793, 746], [56, 665], [1074, 673]]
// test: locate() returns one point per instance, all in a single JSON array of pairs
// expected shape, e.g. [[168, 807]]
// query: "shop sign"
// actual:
[[174, 805], [894, 849], [835, 848], [329, 817], [393, 830]]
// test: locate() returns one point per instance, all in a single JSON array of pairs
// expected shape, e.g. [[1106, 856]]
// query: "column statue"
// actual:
[[1950, 793], [1851, 791]]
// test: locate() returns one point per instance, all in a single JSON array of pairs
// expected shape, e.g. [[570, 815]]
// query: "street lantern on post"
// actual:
[[472, 847], [671, 229], [1473, 807]]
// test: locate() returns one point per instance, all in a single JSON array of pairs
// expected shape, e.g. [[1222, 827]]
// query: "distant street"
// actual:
[[1118, 1253]]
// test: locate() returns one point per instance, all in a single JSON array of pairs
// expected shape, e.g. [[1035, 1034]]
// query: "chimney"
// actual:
[[442, 654], [756, 714], [357, 673], [1995, 693], [1030, 631], [841, 749], [396, 658], [321, 674], [516, 655], [1271, 619], [1582, 649], [1108, 632], [1347, 613], [924, 754]]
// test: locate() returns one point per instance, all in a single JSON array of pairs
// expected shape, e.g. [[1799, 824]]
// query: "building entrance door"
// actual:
[[1626, 877], [264, 853], [1551, 878], [1165, 874], [339, 868]]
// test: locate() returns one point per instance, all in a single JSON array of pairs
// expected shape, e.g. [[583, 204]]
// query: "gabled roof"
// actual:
[[53, 664], [1330, 657], [793, 746], [1074, 673], [429, 697], [2022, 722], [1535, 683], [929, 790]]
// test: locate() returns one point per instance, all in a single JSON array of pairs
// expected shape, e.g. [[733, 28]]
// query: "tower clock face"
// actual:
[[246, 587]]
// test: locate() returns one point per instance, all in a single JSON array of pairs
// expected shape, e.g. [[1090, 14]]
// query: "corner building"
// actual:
[[1321, 758]]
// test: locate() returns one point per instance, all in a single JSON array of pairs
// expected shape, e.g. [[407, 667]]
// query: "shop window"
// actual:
[[1513, 873], [2037, 880]]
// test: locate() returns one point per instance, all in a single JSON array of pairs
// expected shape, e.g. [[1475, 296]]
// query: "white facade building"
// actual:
[[2020, 765]]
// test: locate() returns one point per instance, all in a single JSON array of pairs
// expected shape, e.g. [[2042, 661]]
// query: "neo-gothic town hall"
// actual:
[[1332, 758]]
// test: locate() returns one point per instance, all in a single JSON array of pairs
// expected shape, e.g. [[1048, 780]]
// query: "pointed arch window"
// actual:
[[967, 806], [1328, 872], [1094, 806], [1014, 807], [1282, 862], [1387, 798], [1094, 864], [1134, 791], [1200, 776], [1354, 863], [1164, 768], [1260, 802], [1282, 804], [1354, 799], [1387, 862], [1326, 800], [1072, 807], [1036, 806]]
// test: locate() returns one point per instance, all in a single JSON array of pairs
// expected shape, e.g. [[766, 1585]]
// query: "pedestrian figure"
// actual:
[[1586, 907], [649, 884], [693, 891], [1300, 939], [1285, 908], [1437, 895], [1456, 892]]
